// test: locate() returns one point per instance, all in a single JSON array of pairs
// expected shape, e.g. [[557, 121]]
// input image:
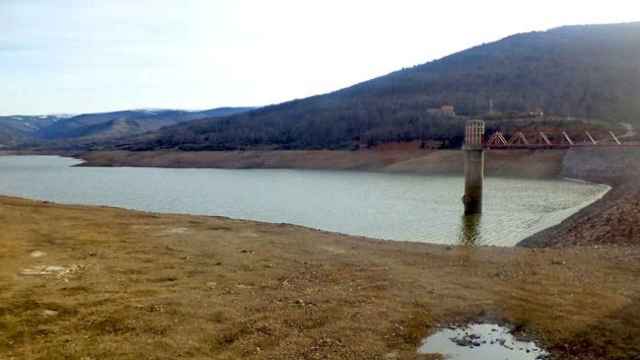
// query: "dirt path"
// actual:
[[131, 285]]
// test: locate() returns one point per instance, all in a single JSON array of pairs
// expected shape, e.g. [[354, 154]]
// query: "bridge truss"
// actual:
[[498, 141]]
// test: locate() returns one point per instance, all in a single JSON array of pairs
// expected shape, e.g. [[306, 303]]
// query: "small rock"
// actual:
[[463, 342], [38, 254], [391, 356], [212, 285], [32, 272], [54, 269], [49, 313]]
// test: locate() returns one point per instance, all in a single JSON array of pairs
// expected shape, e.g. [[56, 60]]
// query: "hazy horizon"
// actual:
[[76, 56]]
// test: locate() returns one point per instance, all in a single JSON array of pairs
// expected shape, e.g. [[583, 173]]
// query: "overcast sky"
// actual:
[[73, 56]]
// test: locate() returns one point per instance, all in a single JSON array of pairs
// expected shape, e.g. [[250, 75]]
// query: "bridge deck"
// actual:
[[556, 146], [518, 140]]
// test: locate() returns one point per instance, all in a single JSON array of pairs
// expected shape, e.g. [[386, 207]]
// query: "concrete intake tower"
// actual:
[[473, 166]]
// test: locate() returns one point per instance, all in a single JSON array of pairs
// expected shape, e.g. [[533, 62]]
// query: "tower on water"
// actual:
[[473, 166]]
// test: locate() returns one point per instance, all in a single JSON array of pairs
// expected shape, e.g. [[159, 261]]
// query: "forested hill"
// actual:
[[583, 71]]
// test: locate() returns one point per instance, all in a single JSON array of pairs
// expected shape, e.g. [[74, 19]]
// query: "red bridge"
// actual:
[[498, 141], [475, 146]]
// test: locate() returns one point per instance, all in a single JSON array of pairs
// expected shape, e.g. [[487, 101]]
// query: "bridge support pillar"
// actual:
[[473, 167]]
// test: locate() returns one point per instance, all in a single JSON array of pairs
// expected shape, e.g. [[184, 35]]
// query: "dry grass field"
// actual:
[[101, 283]]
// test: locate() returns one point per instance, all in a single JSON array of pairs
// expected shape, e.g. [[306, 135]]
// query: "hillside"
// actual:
[[588, 72], [68, 130], [16, 129], [122, 123]]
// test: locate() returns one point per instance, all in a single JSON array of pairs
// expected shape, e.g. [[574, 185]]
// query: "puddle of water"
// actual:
[[481, 342]]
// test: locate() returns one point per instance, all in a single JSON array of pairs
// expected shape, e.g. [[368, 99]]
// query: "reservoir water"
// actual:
[[387, 206]]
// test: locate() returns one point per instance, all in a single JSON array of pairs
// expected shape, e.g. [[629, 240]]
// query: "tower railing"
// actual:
[[474, 134]]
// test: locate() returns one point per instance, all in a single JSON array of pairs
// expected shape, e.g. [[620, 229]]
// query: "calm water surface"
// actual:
[[388, 206]]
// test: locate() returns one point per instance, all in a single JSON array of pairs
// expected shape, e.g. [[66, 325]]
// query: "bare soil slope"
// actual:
[[500, 163]]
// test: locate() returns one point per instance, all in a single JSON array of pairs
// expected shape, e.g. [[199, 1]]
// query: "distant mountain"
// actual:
[[588, 71], [124, 123], [16, 129], [60, 129]]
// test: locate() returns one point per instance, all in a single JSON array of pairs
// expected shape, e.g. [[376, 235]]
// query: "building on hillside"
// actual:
[[538, 112], [445, 110], [448, 110]]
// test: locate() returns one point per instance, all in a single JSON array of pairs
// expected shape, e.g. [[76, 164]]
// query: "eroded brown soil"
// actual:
[[539, 164]]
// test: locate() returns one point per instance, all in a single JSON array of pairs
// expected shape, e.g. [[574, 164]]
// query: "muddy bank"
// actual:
[[612, 220], [536, 164], [118, 284]]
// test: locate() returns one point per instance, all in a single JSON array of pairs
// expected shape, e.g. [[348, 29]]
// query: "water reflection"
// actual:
[[470, 230]]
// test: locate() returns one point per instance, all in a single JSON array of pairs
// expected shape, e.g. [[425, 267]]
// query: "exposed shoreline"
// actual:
[[610, 220], [518, 163]]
